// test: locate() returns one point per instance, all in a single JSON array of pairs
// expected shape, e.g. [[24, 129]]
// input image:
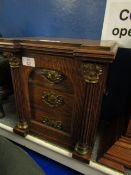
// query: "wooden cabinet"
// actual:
[[115, 136], [59, 86], [118, 154]]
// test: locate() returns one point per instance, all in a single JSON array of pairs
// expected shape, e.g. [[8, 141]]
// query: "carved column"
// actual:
[[94, 79], [15, 65]]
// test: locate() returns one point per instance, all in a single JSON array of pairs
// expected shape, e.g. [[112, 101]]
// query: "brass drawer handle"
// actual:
[[53, 123], [52, 75], [52, 100]]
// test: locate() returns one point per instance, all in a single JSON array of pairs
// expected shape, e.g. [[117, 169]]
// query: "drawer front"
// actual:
[[50, 107], [51, 134], [51, 121], [52, 79]]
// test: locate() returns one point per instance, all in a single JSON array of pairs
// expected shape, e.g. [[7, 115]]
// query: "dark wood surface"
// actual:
[[115, 147], [5, 83], [65, 112], [115, 115], [128, 133], [118, 155]]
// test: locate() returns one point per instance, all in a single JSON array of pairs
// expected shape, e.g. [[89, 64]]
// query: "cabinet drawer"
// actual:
[[51, 105], [51, 78], [51, 134], [55, 121]]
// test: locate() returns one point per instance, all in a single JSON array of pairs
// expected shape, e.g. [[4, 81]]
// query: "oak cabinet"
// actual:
[[58, 87]]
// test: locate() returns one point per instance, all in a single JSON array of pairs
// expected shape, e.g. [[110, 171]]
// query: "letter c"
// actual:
[[122, 16]]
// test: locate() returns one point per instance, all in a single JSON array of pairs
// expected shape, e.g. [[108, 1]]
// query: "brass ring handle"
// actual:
[[52, 100]]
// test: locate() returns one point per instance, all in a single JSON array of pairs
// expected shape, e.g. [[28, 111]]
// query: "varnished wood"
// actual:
[[116, 112], [118, 155], [116, 151], [84, 67]]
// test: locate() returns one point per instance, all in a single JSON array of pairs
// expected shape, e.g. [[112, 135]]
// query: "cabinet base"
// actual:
[[21, 132], [83, 158]]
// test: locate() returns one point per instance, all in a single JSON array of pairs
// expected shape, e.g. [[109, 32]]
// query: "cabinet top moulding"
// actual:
[[100, 51]]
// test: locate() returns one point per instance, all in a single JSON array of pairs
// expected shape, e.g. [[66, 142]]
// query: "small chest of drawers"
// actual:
[[58, 87]]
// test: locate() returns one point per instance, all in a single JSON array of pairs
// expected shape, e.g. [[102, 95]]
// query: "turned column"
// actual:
[[15, 65], [94, 76]]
